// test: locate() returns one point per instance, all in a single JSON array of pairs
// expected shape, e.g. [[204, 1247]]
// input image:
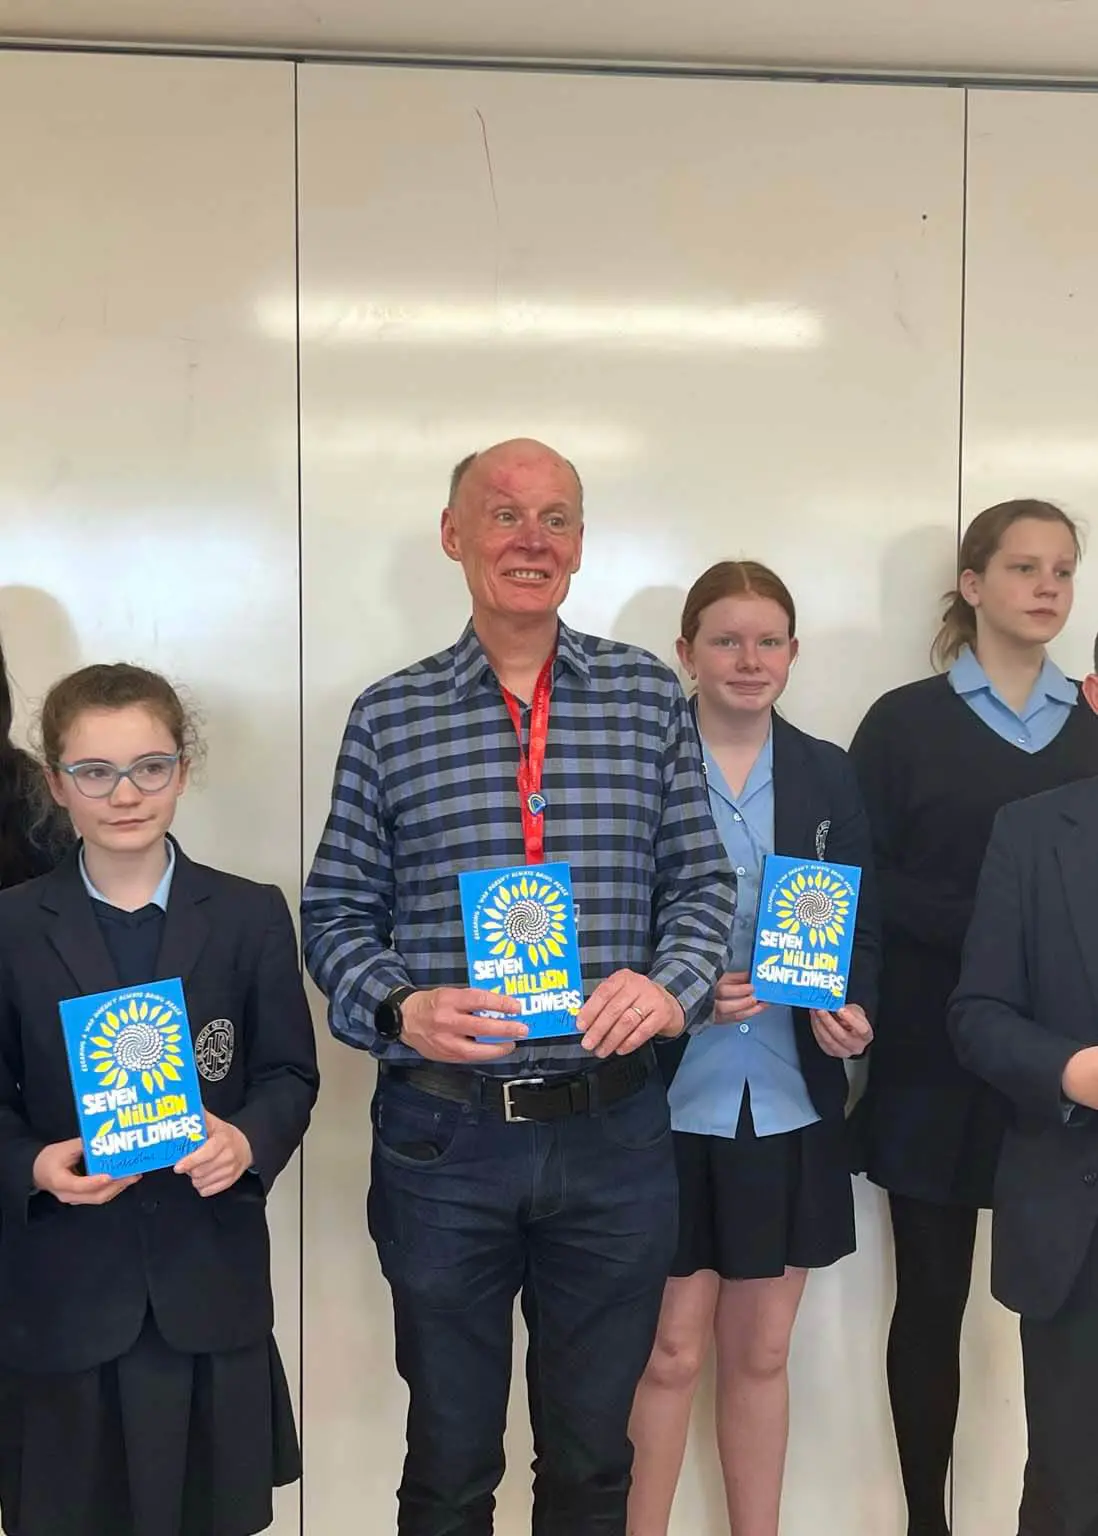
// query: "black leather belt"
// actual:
[[531, 1098]]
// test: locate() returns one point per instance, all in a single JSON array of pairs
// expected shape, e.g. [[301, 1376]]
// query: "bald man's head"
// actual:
[[515, 444], [515, 522]]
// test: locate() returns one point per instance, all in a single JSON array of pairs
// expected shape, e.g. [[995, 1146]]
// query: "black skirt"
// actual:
[[753, 1206], [156, 1443]]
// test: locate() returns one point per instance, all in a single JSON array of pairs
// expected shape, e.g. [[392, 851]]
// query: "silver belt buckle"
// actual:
[[517, 1082]]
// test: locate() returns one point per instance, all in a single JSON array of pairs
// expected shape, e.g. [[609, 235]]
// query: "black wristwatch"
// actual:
[[388, 1018]]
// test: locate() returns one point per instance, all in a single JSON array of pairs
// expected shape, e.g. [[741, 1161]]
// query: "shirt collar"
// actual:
[[967, 676], [159, 897], [1055, 685], [762, 771], [471, 664]]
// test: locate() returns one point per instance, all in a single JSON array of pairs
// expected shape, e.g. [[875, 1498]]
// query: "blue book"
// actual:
[[520, 939], [804, 933], [133, 1077]]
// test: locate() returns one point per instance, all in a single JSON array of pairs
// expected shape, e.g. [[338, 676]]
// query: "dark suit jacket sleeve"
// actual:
[[990, 1012], [930, 911], [281, 1067], [18, 1145], [849, 842]]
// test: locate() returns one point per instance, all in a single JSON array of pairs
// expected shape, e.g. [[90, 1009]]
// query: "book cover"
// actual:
[[131, 1061], [520, 939], [804, 933]]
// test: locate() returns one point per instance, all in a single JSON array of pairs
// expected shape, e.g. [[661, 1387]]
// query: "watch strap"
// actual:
[[391, 1006]]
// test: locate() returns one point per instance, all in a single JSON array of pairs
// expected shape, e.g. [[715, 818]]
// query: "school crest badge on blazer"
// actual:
[[213, 1049]]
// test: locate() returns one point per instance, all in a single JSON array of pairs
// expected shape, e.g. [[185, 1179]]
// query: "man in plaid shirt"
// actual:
[[540, 1169]]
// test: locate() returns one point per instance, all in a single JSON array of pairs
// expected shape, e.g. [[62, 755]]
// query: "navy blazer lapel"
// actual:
[[1077, 852], [73, 930], [795, 824], [186, 925]]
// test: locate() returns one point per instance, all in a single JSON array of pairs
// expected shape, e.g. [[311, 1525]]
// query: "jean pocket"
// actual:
[[413, 1129], [640, 1121]]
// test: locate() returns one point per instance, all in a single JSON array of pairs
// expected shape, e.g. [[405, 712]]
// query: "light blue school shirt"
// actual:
[[707, 1090], [159, 897], [1043, 716]]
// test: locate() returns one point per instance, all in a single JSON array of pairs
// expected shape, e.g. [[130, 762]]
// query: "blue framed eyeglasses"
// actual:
[[98, 780]]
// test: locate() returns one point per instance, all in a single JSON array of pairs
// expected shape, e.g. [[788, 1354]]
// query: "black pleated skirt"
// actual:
[[156, 1443], [752, 1206]]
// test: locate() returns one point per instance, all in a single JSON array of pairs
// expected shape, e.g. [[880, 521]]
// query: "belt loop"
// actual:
[[475, 1106]]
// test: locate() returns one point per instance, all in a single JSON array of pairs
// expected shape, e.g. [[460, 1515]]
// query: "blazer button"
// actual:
[[1090, 1177], [149, 1206]]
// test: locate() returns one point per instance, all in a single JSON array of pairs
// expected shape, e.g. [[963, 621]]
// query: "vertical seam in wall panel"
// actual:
[[964, 297], [952, 1497], [300, 785]]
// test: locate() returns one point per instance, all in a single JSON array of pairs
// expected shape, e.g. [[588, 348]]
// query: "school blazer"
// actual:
[[818, 814], [76, 1281], [1026, 1002]]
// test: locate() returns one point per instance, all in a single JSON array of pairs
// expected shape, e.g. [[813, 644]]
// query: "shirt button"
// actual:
[[745, 1029], [1022, 741], [737, 817], [1090, 1177], [741, 870]]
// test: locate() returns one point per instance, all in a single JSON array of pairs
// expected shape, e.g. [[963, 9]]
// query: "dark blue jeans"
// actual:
[[579, 1217]]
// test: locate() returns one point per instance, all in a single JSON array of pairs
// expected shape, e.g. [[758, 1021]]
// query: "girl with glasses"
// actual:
[[141, 1386]]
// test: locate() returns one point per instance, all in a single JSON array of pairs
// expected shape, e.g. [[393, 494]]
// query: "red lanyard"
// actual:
[[531, 799]]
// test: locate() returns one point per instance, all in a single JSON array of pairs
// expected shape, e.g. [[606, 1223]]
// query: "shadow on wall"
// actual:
[[651, 619], [849, 665], [427, 597], [40, 645]]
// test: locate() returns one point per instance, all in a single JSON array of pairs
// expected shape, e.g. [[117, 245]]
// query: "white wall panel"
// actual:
[[147, 469], [1031, 382], [1021, 37], [737, 307]]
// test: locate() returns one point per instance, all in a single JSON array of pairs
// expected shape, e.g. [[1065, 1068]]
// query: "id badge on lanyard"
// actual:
[[532, 761]]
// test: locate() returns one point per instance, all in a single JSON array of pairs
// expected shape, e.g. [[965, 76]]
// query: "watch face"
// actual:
[[388, 1019]]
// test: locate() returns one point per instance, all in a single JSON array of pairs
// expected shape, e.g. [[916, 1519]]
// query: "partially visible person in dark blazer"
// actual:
[[143, 1394], [758, 1096], [34, 834], [937, 759], [1025, 1017]]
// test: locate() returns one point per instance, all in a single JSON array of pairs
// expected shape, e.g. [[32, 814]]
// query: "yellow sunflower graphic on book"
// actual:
[[526, 914], [520, 940], [139, 1041], [817, 904]]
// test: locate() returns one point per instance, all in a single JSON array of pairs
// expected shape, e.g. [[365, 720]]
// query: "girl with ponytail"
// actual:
[[937, 759]]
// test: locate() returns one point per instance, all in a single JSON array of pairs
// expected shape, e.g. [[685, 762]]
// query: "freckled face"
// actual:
[[741, 654], [517, 529]]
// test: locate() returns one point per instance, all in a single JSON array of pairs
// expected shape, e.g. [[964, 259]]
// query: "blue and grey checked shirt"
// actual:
[[425, 788]]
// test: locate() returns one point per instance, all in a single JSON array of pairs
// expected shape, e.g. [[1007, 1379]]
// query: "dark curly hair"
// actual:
[[33, 835]]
